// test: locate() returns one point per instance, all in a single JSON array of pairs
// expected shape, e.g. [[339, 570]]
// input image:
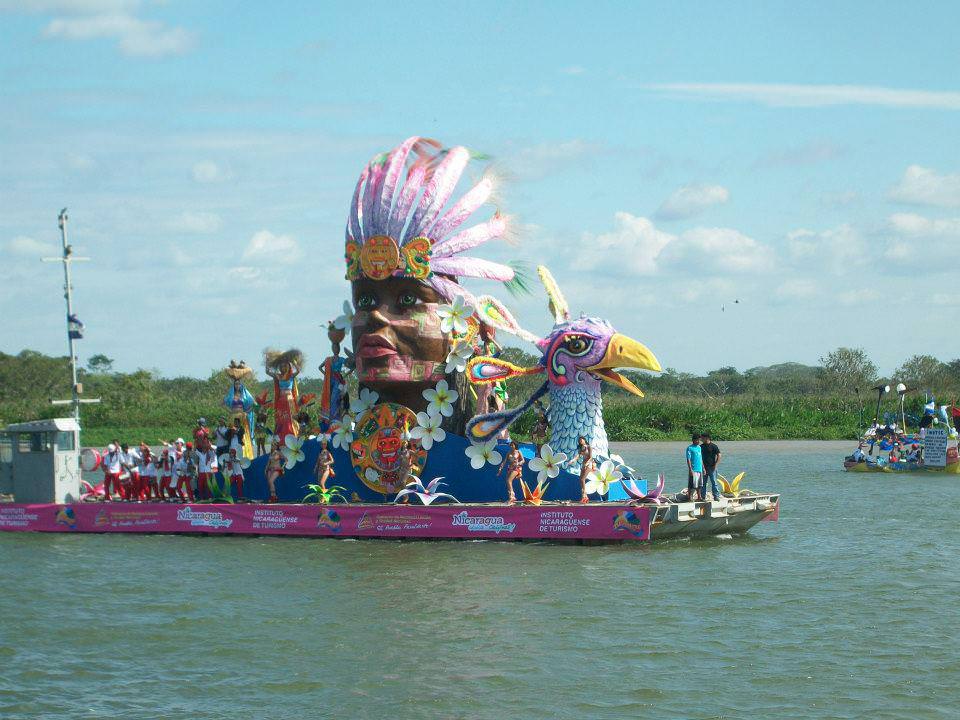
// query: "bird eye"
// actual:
[[366, 301], [577, 345]]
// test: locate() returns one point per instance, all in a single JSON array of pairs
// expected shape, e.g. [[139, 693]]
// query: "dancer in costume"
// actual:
[[201, 435], [112, 466], [167, 461], [334, 383], [284, 367], [207, 473], [148, 472], [273, 472], [584, 458], [242, 405], [185, 469], [323, 468], [513, 462], [260, 433], [233, 471]]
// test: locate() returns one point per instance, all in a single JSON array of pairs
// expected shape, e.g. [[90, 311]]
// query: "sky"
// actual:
[[740, 183]]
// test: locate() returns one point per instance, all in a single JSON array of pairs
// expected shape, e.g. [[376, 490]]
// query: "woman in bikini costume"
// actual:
[[273, 471], [323, 469], [514, 464]]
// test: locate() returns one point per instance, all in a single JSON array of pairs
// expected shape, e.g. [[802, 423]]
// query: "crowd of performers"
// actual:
[[180, 470]]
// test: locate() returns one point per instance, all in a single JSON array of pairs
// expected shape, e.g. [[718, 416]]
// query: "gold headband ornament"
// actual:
[[380, 257]]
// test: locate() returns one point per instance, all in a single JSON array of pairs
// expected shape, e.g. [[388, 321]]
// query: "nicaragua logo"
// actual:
[[206, 518], [329, 519], [628, 521], [483, 523]]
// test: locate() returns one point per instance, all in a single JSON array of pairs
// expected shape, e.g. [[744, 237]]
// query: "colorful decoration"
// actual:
[[492, 312], [732, 487], [376, 449], [548, 463], [577, 355], [341, 434], [641, 497], [601, 478], [534, 496], [483, 454], [428, 430], [242, 405], [324, 495], [292, 450], [426, 494], [458, 356], [403, 221], [284, 367], [440, 399]]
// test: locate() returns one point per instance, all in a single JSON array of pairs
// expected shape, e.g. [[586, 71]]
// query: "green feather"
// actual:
[[520, 283]]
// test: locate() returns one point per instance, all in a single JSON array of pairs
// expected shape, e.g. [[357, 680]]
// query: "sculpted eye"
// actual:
[[366, 301], [407, 300], [577, 345]]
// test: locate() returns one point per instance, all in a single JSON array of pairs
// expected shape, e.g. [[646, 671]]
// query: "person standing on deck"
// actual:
[[694, 469], [111, 471], [221, 438], [711, 455]]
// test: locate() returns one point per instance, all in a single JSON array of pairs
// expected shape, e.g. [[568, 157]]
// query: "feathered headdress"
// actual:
[[402, 223]]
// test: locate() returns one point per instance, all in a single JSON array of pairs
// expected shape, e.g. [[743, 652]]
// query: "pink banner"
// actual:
[[601, 521]]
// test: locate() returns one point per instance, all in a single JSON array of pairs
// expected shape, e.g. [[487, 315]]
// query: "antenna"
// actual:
[[74, 326]]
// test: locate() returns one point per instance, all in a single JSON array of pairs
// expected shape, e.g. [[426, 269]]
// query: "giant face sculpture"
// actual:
[[403, 254], [399, 347]]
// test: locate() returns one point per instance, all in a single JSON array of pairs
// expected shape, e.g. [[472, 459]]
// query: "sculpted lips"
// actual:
[[374, 346]]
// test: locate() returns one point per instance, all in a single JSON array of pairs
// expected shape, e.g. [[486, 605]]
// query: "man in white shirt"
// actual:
[[167, 460], [184, 475], [221, 437], [130, 459], [148, 473], [110, 462]]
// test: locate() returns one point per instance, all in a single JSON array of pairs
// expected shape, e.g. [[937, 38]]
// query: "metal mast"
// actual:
[[67, 259]]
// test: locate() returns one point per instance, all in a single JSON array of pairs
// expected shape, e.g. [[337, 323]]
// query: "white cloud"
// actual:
[[28, 247], [786, 95], [691, 200], [108, 19], [923, 186], [633, 245], [201, 223], [265, 247], [797, 289], [712, 249], [862, 296], [636, 246], [839, 249], [208, 171], [573, 70], [918, 226]]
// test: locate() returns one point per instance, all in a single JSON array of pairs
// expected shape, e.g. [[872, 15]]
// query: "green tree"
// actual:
[[924, 372], [847, 368], [100, 364]]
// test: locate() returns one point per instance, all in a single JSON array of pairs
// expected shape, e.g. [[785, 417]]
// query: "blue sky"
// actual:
[[663, 159]]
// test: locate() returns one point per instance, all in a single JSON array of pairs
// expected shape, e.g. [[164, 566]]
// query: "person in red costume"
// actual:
[[201, 436], [284, 367]]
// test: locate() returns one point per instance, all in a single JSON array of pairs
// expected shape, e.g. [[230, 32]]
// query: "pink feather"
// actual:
[[411, 186], [471, 237], [438, 191], [355, 210], [463, 209], [371, 198], [472, 267], [448, 289], [395, 164]]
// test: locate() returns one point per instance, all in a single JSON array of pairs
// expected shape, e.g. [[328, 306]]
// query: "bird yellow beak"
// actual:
[[624, 352]]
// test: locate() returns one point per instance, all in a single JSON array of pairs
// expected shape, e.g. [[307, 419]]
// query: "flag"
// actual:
[[74, 327]]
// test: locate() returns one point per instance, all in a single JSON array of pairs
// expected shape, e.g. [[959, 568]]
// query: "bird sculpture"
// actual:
[[576, 356]]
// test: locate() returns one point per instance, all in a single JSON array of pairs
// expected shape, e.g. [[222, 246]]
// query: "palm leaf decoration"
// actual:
[[324, 496], [731, 488]]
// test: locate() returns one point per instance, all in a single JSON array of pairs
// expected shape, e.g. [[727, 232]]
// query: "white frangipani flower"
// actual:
[[428, 430], [548, 464], [621, 465], [458, 356], [483, 453], [342, 434], [343, 322], [600, 479], [440, 399], [453, 317], [366, 400], [292, 450]]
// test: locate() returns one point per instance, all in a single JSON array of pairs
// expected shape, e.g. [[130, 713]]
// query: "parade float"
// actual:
[[422, 450], [889, 448]]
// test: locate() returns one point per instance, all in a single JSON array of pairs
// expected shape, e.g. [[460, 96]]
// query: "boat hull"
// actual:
[[593, 522]]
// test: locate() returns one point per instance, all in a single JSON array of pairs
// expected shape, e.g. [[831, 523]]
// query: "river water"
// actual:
[[846, 608]]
